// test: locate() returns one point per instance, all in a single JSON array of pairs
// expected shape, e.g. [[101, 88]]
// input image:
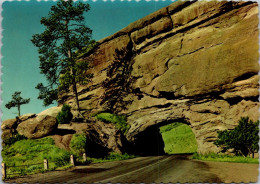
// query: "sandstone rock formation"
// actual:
[[102, 138], [194, 61], [9, 127], [37, 127], [9, 124], [26, 116], [53, 111], [62, 141]]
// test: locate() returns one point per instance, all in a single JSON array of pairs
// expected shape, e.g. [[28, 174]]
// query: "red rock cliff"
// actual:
[[194, 62]]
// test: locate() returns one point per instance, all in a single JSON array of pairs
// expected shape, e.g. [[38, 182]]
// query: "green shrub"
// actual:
[[118, 156], [224, 158], [14, 139], [33, 168], [62, 159], [113, 156], [243, 138], [119, 121], [64, 116], [78, 144]]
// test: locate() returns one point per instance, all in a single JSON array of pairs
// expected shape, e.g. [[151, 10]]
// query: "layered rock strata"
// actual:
[[194, 62]]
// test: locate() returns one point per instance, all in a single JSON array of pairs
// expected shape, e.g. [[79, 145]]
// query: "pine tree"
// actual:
[[59, 45], [17, 101]]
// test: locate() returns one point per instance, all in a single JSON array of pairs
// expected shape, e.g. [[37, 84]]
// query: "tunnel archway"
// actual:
[[163, 138], [178, 138], [149, 142]]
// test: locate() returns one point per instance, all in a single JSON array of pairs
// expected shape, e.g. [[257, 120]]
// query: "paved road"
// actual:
[[174, 168]]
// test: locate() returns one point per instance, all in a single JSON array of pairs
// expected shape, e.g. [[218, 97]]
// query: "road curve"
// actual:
[[158, 169], [168, 169]]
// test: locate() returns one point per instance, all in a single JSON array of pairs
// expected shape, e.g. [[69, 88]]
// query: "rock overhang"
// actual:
[[192, 60]]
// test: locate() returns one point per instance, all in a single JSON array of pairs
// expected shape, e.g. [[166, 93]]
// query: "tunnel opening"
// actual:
[[171, 137], [149, 142], [178, 138]]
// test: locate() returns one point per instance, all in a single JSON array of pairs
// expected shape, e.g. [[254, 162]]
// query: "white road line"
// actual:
[[107, 180]]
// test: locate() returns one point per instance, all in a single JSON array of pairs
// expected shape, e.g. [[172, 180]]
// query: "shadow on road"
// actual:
[[89, 170]]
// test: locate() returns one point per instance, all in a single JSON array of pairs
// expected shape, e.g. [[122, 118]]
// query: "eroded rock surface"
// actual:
[[37, 127], [8, 128], [193, 62], [53, 111], [102, 138]]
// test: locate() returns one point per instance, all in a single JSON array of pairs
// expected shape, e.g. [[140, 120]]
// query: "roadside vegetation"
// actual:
[[78, 144], [224, 158], [178, 138], [119, 121], [64, 40], [13, 139], [26, 156], [29, 152], [113, 156], [242, 141]]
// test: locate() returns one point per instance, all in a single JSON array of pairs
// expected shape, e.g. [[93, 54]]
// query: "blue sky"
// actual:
[[20, 63]]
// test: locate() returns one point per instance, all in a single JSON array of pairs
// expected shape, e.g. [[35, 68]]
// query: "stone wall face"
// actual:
[[195, 62]]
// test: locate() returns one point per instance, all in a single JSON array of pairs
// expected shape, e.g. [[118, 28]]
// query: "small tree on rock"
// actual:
[[64, 116], [17, 101], [243, 138]]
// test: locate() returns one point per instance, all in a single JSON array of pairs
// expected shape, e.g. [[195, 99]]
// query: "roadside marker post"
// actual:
[[3, 171], [46, 164], [84, 157], [72, 160]]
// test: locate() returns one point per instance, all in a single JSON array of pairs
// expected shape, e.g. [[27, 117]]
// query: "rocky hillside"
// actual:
[[192, 62], [102, 138]]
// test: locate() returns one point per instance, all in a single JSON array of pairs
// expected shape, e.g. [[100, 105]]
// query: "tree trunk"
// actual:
[[242, 153], [74, 85], [75, 91], [19, 113]]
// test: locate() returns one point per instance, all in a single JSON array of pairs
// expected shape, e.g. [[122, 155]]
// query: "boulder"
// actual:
[[27, 116], [37, 127], [8, 129], [62, 141], [9, 124]]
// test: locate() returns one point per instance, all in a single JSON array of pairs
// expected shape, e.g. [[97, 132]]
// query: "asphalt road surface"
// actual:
[[173, 169]]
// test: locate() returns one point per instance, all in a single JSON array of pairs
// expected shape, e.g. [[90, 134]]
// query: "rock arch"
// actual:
[[192, 60], [205, 117], [150, 141]]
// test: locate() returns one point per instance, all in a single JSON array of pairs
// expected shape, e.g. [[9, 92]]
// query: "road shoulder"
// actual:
[[230, 172]]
